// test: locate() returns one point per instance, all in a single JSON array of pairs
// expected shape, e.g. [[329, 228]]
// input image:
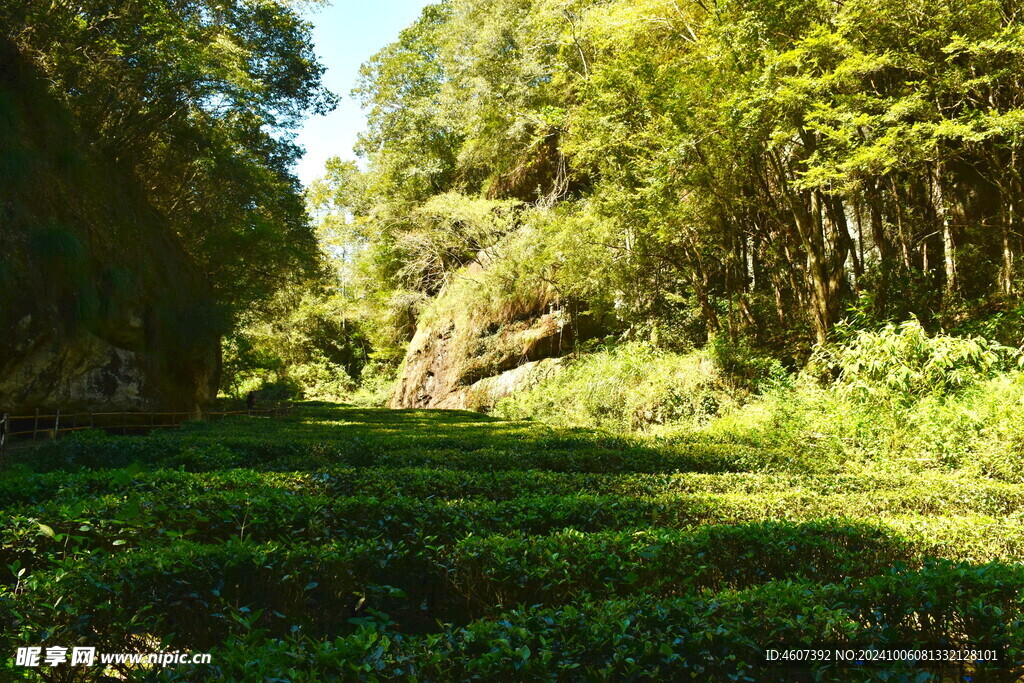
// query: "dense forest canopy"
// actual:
[[676, 171], [759, 169], [196, 100]]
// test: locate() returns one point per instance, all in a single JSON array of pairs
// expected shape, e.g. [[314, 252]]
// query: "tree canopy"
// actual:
[[197, 99], [756, 168]]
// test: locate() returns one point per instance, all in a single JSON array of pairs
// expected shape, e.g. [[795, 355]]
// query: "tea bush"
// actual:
[[708, 635], [346, 543]]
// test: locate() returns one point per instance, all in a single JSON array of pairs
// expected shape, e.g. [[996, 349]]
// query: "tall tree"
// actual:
[[197, 98]]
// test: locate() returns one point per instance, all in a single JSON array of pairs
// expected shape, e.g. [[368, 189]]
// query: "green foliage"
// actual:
[[60, 247], [896, 395], [900, 365], [446, 233], [745, 366], [391, 263], [1001, 325], [713, 634], [194, 101], [447, 545], [302, 340], [376, 385], [400, 87], [629, 387], [749, 170]]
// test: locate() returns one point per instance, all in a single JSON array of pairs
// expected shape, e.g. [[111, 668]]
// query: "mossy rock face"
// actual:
[[470, 354], [98, 296]]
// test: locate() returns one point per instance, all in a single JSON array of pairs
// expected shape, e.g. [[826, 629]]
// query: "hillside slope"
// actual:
[[100, 305], [473, 347]]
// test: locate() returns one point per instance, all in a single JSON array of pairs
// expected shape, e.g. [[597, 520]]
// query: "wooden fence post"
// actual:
[[3, 437], [56, 426], [35, 427], [124, 423]]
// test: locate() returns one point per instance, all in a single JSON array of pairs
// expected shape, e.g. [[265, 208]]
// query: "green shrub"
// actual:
[[629, 387], [745, 367], [376, 385], [899, 399], [282, 389], [902, 364], [322, 379]]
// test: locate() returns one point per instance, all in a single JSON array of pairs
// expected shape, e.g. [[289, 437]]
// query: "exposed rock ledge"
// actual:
[[459, 364], [485, 394], [469, 353]]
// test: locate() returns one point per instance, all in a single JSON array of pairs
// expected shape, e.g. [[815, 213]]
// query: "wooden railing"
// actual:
[[27, 430]]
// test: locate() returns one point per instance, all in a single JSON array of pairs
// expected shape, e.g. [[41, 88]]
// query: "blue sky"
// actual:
[[346, 34]]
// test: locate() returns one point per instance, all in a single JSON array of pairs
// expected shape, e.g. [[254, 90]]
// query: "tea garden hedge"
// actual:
[[342, 543]]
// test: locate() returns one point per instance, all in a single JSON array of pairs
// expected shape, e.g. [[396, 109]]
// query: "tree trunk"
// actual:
[[827, 252], [1006, 226], [946, 230]]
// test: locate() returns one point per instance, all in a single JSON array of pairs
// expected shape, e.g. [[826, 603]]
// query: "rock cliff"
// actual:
[[100, 307], [469, 355]]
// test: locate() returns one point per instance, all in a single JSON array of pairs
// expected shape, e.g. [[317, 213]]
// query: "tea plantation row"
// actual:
[[342, 543]]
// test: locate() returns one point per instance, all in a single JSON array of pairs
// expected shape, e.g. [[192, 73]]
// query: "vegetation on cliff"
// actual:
[[753, 170], [147, 184], [101, 305], [195, 99]]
